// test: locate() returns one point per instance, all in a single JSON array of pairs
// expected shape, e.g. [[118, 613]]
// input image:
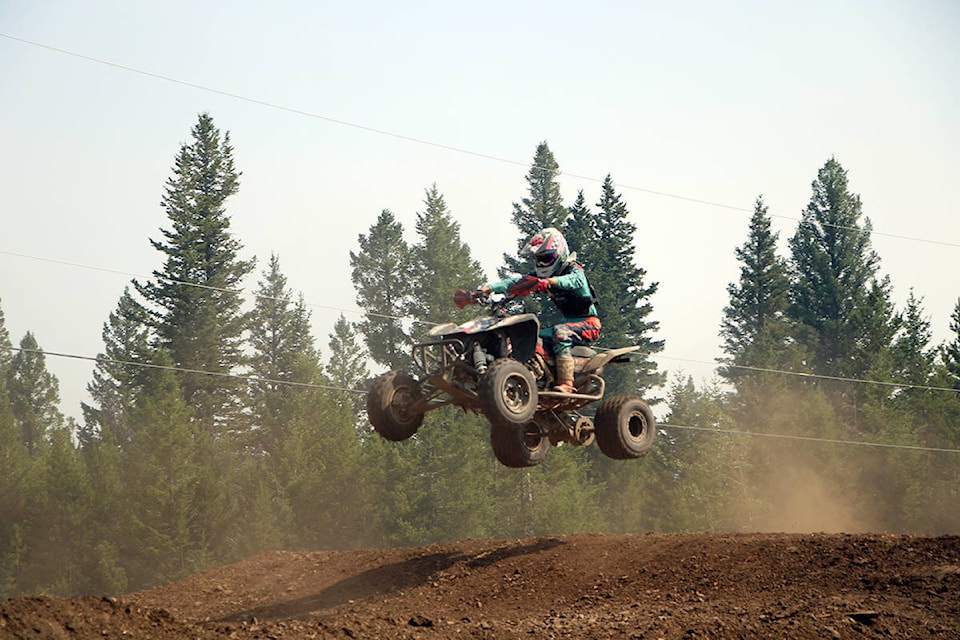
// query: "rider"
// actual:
[[556, 272]]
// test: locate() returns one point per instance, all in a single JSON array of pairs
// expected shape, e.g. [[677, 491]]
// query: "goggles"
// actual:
[[545, 259]]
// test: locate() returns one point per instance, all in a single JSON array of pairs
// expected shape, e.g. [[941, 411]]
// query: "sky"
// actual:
[[337, 111]]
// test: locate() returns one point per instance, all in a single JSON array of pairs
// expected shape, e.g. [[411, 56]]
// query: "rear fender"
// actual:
[[602, 358]]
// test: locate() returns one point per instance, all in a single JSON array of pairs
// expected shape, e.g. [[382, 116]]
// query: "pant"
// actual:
[[564, 335]]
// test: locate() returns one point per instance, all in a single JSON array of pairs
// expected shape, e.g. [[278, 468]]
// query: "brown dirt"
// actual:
[[583, 586]]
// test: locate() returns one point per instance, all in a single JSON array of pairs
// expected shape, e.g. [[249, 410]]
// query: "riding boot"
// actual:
[[564, 373]]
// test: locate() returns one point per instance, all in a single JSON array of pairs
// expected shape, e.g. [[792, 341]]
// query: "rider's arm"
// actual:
[[576, 279], [498, 287]]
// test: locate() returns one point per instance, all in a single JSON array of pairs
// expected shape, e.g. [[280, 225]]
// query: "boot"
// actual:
[[564, 374]]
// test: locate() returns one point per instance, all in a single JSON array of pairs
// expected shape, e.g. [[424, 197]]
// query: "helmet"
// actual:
[[549, 251]]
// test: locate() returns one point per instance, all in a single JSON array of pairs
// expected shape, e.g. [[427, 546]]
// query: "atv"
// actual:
[[497, 365]]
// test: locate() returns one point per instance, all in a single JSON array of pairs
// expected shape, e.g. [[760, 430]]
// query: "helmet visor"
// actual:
[[545, 259]]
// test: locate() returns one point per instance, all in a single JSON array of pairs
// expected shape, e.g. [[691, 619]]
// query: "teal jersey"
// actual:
[[572, 295]]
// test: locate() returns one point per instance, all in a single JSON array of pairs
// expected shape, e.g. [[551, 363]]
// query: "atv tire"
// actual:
[[519, 447], [508, 393], [624, 427], [388, 403]]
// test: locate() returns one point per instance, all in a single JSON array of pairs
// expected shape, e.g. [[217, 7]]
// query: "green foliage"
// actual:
[[283, 359], [117, 383], [543, 207], [607, 251], [834, 290], [347, 368], [381, 273], [441, 264], [34, 395], [197, 315], [951, 350], [755, 329]]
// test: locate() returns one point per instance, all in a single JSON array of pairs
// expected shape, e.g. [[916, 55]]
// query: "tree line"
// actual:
[[215, 431]]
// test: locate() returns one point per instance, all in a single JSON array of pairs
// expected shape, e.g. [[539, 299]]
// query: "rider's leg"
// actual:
[[563, 338], [565, 335]]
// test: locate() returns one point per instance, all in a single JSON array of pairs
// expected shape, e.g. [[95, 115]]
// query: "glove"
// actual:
[[528, 284], [462, 297]]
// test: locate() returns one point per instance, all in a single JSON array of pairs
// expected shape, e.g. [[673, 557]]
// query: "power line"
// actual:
[[207, 287], [150, 365], [437, 145], [361, 391], [244, 292], [761, 434], [818, 376]]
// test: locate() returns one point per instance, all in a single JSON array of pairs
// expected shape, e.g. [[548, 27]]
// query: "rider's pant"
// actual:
[[567, 334]]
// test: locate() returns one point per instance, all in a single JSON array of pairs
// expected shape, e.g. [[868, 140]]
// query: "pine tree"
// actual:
[[755, 329], [834, 270], [283, 357], [197, 309], [951, 350], [542, 208], [624, 296], [381, 275], [161, 473], [347, 368], [34, 395], [59, 535], [441, 264], [14, 464], [117, 380]]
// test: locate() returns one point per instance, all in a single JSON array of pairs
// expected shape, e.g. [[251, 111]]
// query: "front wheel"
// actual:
[[625, 427], [388, 405], [508, 393], [518, 447]]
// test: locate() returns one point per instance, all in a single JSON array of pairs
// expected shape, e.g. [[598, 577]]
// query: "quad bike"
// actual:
[[496, 365]]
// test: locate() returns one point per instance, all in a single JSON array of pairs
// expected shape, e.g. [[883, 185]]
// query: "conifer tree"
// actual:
[[347, 368], [755, 329], [14, 464], [197, 314], [34, 395], [283, 357], [381, 276], [161, 475], [441, 264], [543, 206], [117, 380], [951, 350], [835, 291], [623, 293]]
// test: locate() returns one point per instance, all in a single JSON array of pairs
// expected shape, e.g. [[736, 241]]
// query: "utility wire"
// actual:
[[760, 434], [430, 143], [242, 292], [149, 365], [817, 376], [899, 385], [361, 391]]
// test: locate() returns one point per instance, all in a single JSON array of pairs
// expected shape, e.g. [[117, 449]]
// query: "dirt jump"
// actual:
[[580, 586]]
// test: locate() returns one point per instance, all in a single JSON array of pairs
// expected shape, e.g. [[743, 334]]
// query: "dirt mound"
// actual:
[[584, 586]]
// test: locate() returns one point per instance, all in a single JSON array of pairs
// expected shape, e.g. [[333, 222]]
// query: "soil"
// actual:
[[582, 586]]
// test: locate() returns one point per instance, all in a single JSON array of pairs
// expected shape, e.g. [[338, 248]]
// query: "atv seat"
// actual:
[[581, 351]]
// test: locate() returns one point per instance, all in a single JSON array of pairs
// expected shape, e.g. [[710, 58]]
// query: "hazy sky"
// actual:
[[710, 101]]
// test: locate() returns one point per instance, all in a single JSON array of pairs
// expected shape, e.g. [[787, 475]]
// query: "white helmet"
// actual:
[[549, 250]]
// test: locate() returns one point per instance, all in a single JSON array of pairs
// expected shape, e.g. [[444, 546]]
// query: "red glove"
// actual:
[[462, 298], [528, 284]]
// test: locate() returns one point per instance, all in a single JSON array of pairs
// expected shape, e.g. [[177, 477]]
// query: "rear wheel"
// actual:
[[625, 427], [388, 405], [524, 446], [508, 393]]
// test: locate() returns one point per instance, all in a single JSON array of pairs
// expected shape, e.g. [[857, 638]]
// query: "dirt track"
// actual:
[[586, 586]]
